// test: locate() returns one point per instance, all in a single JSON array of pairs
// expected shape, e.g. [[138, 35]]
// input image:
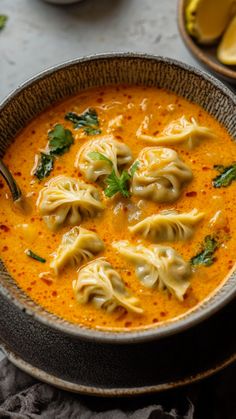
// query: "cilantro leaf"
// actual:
[[117, 184], [133, 168], [33, 255], [226, 177], [95, 155], [45, 166], [206, 256], [3, 21], [60, 140], [87, 120]]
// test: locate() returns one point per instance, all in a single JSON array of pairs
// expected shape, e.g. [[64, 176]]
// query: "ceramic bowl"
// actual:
[[53, 345]]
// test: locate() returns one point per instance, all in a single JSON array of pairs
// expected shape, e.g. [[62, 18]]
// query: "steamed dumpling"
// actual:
[[99, 283], [182, 130], [168, 225], [158, 266], [77, 246], [65, 200], [161, 175], [92, 168]]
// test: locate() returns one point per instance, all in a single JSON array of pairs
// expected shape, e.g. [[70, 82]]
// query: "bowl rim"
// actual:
[[208, 307], [197, 51]]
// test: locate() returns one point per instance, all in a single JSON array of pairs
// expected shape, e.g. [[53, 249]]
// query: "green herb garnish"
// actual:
[[226, 177], [133, 168], [87, 120], [45, 166], [3, 21], [115, 183], [95, 155], [34, 256], [60, 140], [206, 256]]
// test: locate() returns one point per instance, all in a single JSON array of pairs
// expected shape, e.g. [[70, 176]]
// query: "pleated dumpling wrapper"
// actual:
[[158, 267], [65, 200], [168, 225], [99, 157], [160, 175], [99, 283], [78, 245]]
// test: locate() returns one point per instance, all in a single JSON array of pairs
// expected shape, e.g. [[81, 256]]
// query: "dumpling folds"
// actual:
[[161, 175], [168, 226], [92, 168], [77, 246], [65, 200], [181, 130], [158, 266], [99, 283]]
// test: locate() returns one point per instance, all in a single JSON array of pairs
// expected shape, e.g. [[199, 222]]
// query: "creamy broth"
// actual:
[[20, 231]]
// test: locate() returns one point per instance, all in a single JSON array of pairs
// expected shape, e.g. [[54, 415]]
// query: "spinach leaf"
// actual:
[[206, 256], [88, 120], [45, 165], [226, 177]]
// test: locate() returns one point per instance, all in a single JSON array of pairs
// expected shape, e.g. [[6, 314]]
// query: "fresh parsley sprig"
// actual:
[[115, 184], [60, 140], [88, 120], [226, 177], [206, 256]]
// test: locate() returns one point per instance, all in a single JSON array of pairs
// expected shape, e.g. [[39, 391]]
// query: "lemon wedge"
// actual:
[[226, 52], [206, 20]]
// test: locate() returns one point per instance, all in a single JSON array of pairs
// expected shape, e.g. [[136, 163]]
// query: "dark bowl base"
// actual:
[[110, 392], [93, 368]]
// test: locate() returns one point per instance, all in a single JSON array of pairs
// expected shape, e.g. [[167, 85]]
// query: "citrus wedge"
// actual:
[[206, 20], [226, 52]]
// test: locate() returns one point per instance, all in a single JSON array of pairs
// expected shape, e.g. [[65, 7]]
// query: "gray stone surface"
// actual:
[[39, 35]]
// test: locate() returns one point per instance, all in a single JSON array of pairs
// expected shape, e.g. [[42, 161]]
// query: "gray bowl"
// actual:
[[46, 342]]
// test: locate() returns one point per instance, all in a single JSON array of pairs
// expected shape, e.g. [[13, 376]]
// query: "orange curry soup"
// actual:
[[20, 231]]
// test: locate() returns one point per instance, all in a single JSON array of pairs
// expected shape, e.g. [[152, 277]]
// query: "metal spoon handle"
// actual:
[[14, 188]]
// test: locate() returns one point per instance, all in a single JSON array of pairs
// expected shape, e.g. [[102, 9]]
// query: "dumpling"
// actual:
[[99, 283], [160, 175], [158, 266], [181, 130], [67, 200], [168, 225], [77, 246], [115, 154]]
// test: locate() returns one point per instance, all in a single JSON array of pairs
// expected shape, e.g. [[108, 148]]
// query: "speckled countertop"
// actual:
[[39, 35]]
